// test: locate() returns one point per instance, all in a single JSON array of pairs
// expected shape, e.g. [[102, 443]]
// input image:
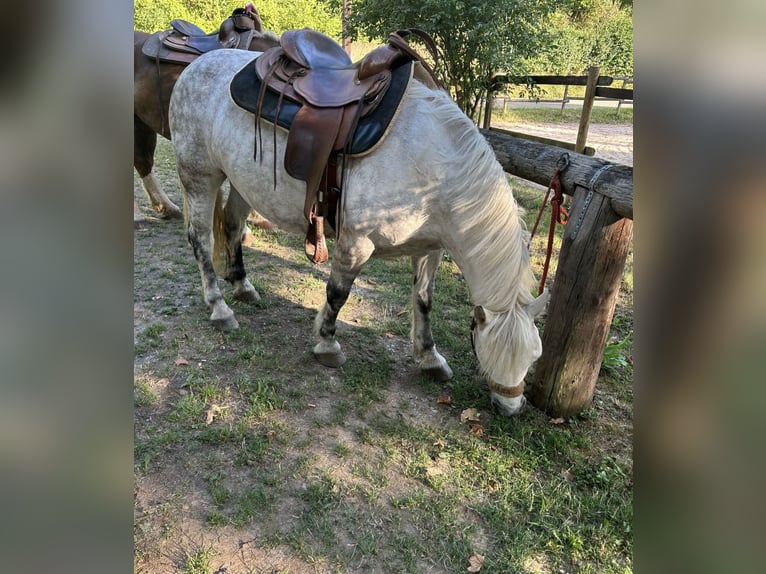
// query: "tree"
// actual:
[[321, 15], [276, 15], [584, 33], [151, 16], [475, 38]]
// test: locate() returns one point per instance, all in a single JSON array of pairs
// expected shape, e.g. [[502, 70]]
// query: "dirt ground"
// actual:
[[177, 351]]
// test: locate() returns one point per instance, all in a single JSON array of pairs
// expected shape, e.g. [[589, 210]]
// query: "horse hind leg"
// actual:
[[229, 227], [430, 362], [144, 145], [200, 196], [347, 261]]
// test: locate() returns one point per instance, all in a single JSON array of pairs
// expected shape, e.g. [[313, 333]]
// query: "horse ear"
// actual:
[[537, 305], [479, 315]]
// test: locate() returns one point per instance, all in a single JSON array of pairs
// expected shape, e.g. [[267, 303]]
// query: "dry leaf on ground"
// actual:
[[210, 413], [476, 429], [444, 400], [470, 414], [475, 561], [181, 361], [557, 421]]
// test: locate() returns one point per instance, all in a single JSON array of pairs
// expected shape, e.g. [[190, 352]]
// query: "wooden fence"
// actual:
[[594, 248], [596, 86]]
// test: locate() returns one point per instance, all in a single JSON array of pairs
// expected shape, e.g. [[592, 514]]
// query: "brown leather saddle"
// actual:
[[184, 42], [313, 70]]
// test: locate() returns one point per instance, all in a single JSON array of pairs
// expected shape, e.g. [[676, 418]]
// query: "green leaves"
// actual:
[[278, 16], [475, 38]]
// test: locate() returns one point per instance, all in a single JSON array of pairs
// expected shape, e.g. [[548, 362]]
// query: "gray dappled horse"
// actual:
[[432, 184]]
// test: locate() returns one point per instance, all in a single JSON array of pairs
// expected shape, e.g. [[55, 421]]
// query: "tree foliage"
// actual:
[[584, 33], [276, 15], [475, 38]]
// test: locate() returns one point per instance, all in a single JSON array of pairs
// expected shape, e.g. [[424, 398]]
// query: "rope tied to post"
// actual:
[[558, 213]]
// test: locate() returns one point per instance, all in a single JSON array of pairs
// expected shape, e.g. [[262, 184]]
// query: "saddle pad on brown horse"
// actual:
[[245, 87]]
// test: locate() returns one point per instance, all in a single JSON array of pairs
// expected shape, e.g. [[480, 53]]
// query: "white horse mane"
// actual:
[[488, 217], [492, 240]]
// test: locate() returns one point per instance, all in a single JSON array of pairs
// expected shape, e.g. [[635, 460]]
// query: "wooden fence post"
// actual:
[[565, 100], [488, 109], [591, 263], [589, 270], [587, 108]]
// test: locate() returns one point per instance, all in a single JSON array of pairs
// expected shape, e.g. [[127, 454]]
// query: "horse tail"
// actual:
[[220, 244]]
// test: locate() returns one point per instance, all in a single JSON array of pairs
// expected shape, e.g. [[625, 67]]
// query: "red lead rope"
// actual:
[[558, 213]]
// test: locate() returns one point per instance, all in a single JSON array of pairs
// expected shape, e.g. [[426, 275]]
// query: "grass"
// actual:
[[198, 562], [149, 339], [549, 115], [359, 468]]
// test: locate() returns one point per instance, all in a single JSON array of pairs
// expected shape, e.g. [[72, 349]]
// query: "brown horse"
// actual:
[[153, 81]]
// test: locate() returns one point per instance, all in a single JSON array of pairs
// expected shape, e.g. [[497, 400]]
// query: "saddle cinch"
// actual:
[[314, 71], [185, 42]]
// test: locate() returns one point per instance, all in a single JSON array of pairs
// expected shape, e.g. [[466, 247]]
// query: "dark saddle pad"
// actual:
[[246, 85]]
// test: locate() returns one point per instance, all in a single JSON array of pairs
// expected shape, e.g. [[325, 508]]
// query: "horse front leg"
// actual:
[[234, 216], [144, 145], [430, 362], [200, 208], [346, 264]]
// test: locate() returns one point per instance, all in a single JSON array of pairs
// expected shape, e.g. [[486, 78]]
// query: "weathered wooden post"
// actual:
[[488, 109], [587, 108], [591, 262]]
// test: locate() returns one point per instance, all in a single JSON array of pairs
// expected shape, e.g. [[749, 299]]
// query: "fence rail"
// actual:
[[596, 86]]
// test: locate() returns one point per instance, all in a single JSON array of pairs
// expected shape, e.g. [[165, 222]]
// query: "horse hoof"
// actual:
[[172, 213], [332, 360], [438, 374], [225, 323]]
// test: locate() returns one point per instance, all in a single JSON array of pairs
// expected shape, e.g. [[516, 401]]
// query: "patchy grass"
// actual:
[[251, 456]]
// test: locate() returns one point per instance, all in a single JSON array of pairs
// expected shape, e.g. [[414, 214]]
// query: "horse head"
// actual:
[[506, 345]]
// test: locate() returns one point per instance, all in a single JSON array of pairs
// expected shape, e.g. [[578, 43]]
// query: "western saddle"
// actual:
[[314, 71], [185, 41]]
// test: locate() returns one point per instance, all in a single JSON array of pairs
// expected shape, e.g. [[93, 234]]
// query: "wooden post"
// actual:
[[488, 110], [589, 271], [587, 108], [582, 304], [345, 12], [565, 100]]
